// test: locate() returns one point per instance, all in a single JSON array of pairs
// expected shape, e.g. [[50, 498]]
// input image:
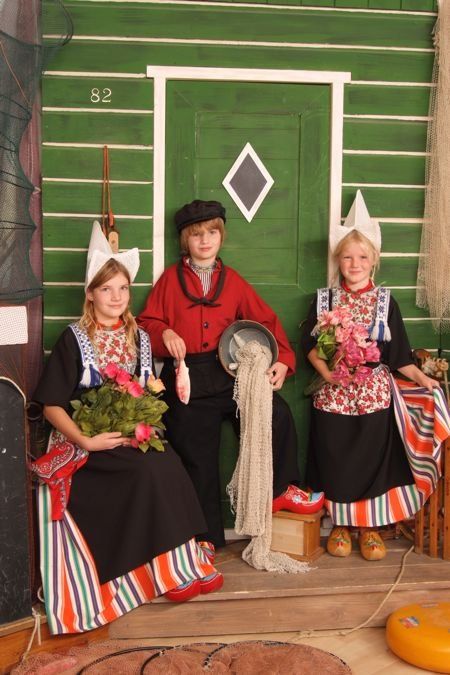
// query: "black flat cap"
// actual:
[[197, 212]]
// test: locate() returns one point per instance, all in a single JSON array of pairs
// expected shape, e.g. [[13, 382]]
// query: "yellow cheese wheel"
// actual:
[[420, 635]]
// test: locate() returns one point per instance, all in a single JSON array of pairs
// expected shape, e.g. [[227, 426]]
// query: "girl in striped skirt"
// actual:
[[375, 446], [117, 526]]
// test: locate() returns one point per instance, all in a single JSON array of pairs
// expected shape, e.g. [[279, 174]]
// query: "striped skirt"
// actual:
[[423, 421], [75, 601]]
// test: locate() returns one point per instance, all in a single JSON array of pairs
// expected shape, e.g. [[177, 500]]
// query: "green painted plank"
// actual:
[[406, 299], [87, 163], [97, 92], [209, 145], [398, 271], [357, 4], [247, 23], [68, 300], [421, 335], [361, 99], [79, 127], [384, 4], [70, 266], [134, 58], [384, 169], [261, 232], [318, 3], [279, 268], [136, 200], [51, 332], [419, 5], [391, 136], [76, 232], [400, 237], [387, 202]]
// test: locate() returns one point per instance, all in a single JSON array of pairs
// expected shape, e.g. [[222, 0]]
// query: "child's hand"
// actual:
[[105, 441], [428, 382], [277, 375], [174, 344]]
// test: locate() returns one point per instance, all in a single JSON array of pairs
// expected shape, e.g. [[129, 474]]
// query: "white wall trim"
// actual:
[[244, 43], [111, 146], [161, 74], [119, 111]]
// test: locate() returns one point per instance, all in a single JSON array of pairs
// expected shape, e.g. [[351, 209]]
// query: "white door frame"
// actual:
[[161, 74]]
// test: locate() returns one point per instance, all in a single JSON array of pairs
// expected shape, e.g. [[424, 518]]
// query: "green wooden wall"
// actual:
[[97, 93]]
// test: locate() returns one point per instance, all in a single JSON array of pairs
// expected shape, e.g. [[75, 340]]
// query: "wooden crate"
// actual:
[[297, 535]]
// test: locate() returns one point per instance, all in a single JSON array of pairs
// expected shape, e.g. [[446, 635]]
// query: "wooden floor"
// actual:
[[312, 608], [364, 651], [335, 594]]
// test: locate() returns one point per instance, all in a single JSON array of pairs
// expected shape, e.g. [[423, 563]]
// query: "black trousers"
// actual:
[[193, 430]]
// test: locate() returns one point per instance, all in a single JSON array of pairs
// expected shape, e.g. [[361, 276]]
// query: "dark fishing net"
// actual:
[[23, 55]]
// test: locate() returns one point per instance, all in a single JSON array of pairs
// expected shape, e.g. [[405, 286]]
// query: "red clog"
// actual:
[[185, 592], [213, 582], [298, 501]]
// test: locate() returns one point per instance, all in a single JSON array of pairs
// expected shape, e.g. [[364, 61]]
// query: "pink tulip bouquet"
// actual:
[[346, 346], [120, 403]]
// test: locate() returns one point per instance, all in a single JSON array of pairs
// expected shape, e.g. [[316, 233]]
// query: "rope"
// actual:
[[250, 489], [363, 624], [36, 629]]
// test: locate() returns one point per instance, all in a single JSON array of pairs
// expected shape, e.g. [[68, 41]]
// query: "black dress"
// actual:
[[130, 506], [355, 454]]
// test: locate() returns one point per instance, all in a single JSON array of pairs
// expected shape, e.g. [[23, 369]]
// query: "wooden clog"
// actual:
[[371, 545], [339, 542]]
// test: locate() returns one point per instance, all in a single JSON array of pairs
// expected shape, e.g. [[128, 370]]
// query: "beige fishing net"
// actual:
[[433, 280], [250, 489]]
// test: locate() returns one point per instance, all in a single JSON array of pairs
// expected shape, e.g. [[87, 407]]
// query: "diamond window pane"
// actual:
[[248, 182]]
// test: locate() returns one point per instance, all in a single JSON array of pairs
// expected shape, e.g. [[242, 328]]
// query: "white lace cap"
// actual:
[[358, 219], [100, 252]]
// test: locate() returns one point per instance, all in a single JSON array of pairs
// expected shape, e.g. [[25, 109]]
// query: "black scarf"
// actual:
[[203, 300]]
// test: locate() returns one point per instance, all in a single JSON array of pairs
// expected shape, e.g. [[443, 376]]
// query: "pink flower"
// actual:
[[135, 389], [111, 371], [134, 443], [342, 334], [143, 432], [360, 335], [372, 353], [122, 376], [361, 374], [353, 354], [341, 374]]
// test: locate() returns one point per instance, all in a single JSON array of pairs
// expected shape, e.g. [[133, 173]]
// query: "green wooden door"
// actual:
[[282, 252]]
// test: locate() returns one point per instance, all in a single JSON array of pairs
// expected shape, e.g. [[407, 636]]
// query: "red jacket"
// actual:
[[201, 326]]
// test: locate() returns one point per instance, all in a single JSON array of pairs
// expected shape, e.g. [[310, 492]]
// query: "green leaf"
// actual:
[[157, 444]]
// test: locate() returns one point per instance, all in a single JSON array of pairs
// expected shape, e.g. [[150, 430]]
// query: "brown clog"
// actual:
[[339, 542], [371, 545]]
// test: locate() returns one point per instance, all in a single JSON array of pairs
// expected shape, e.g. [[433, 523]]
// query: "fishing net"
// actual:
[[433, 292], [23, 55]]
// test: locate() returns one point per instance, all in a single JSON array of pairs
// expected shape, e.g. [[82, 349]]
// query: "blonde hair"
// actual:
[[213, 224], [88, 322], [355, 237]]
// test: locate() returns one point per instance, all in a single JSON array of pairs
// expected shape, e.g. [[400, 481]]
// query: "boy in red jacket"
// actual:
[[186, 313]]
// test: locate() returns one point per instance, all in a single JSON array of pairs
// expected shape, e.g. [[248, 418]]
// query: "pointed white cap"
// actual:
[[100, 252], [358, 219]]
